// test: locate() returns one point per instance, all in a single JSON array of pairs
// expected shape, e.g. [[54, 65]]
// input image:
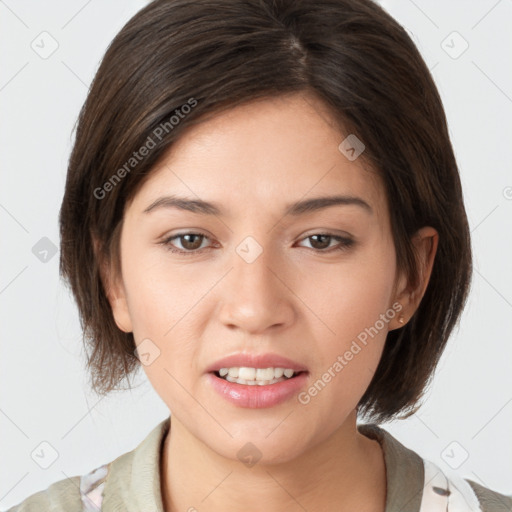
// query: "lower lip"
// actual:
[[258, 397]]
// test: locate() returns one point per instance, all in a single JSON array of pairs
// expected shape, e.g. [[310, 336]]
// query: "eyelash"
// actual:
[[345, 244]]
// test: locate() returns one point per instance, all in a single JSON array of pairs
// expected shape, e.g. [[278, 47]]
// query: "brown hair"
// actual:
[[179, 61]]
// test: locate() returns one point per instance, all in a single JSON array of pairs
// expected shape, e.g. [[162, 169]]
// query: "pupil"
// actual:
[[321, 236], [188, 244]]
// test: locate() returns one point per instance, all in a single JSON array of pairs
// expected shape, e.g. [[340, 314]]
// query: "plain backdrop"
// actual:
[[465, 423]]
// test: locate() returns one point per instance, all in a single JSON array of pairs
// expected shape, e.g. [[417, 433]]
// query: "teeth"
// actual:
[[246, 373], [264, 374], [256, 376], [254, 382]]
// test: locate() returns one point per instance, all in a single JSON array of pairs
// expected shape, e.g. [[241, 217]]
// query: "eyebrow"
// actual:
[[294, 209]]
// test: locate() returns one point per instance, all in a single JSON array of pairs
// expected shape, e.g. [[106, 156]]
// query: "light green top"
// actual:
[[131, 483]]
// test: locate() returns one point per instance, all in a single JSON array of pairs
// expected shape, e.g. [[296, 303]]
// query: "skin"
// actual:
[[294, 300]]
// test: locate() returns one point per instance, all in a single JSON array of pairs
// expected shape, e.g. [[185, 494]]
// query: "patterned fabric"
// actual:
[[91, 488], [443, 493]]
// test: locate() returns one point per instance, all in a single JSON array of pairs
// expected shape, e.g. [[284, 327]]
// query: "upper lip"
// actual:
[[256, 361]]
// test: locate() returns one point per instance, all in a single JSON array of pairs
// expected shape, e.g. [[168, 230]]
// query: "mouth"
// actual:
[[257, 380], [256, 376], [257, 388]]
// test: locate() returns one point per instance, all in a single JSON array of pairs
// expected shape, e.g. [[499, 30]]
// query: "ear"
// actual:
[[425, 242], [114, 290]]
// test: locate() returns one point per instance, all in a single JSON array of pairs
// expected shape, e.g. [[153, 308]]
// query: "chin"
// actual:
[[265, 443]]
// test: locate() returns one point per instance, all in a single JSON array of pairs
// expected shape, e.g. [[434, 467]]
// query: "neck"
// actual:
[[344, 472]]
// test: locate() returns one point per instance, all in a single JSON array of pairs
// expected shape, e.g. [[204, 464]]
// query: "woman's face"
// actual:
[[259, 280]]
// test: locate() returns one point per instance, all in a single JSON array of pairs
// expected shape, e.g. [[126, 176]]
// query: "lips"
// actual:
[[256, 361], [257, 397], [260, 394]]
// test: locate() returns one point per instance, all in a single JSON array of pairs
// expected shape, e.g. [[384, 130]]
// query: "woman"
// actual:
[[263, 208]]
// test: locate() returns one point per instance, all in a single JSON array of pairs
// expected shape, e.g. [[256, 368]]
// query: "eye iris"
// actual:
[[190, 245], [192, 241], [322, 245]]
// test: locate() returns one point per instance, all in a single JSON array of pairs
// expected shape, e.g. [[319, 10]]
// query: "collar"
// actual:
[[133, 483], [405, 471]]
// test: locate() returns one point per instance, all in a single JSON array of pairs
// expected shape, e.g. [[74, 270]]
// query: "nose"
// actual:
[[257, 295]]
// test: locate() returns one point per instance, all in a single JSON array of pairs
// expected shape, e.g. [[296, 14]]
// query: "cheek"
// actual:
[[160, 295], [161, 305], [351, 295], [354, 306], [163, 328]]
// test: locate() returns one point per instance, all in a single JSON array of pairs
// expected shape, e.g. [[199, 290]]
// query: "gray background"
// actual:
[[465, 424]]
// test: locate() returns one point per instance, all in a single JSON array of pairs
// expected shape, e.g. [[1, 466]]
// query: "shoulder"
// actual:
[[491, 501], [130, 478], [78, 493], [59, 496], [426, 487], [452, 492]]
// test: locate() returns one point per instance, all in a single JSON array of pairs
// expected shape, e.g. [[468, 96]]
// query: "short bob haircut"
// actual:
[[177, 62]]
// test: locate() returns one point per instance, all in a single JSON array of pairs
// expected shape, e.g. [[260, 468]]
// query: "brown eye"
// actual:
[[321, 242], [190, 243]]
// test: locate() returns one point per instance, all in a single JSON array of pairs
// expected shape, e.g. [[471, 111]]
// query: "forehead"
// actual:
[[263, 154]]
